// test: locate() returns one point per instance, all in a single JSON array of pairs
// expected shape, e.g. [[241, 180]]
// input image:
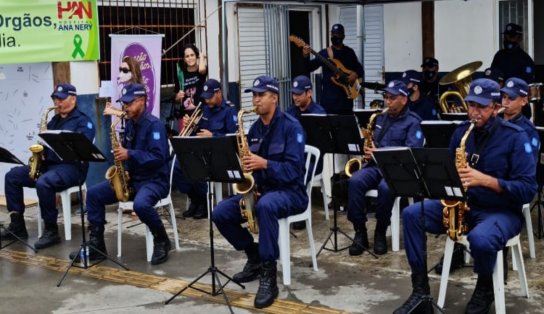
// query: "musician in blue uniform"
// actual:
[[499, 178], [218, 118], [55, 175], [276, 141], [418, 102], [145, 156], [333, 97], [303, 103], [398, 127]]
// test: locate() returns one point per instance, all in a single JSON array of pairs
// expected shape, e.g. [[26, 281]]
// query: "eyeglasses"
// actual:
[[124, 70]]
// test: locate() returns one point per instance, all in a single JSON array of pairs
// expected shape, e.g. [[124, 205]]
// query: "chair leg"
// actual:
[[395, 225], [148, 243], [283, 243], [498, 284], [518, 256], [312, 243], [66, 214], [119, 230], [529, 226], [448, 253], [174, 224], [40, 221]]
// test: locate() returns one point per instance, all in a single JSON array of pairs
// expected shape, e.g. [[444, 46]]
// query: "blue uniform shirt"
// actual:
[[282, 144], [148, 150], [531, 131], [403, 130], [514, 63], [423, 107], [219, 120], [312, 108], [507, 155]]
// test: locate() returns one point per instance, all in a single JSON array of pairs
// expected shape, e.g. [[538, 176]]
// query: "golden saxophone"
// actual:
[[246, 187], [194, 119], [116, 173], [355, 164], [35, 161], [454, 211]]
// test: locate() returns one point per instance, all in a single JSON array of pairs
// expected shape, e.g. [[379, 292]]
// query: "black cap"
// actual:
[[430, 62], [513, 29], [337, 29]]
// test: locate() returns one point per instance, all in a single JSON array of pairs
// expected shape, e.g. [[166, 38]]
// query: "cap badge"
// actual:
[[404, 74], [510, 84], [59, 89], [391, 84], [205, 87], [295, 84], [256, 83], [488, 72], [124, 91], [509, 28], [478, 90]]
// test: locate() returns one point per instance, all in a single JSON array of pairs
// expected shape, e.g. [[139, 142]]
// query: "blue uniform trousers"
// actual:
[[146, 196], [489, 232], [195, 190], [361, 181], [270, 207], [55, 178]]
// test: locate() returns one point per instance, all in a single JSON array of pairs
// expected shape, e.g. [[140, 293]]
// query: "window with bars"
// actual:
[[515, 11]]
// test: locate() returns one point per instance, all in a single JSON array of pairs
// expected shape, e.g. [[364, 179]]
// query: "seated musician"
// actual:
[[145, 157], [54, 174], [499, 177], [276, 158], [398, 127], [419, 103], [302, 94], [218, 118]]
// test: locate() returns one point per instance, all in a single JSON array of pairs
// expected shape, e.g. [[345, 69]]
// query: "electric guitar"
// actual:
[[340, 72]]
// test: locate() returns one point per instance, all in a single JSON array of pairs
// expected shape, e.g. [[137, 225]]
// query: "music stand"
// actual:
[[363, 115], [7, 157], [438, 133], [422, 172], [75, 147], [454, 116], [209, 159]]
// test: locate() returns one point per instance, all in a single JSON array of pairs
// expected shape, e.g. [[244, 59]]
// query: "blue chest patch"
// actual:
[[419, 135], [528, 148], [89, 125], [235, 119], [529, 69], [534, 142], [156, 136], [300, 138]]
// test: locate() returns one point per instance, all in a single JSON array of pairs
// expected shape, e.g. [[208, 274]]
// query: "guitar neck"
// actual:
[[326, 62]]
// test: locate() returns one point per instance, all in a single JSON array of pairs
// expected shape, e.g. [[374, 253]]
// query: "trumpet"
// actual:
[[194, 119]]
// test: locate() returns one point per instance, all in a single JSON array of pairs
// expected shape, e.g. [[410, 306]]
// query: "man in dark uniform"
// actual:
[[145, 157], [276, 141], [218, 119], [55, 175], [429, 83], [500, 178], [303, 102], [494, 74], [398, 127], [418, 102], [333, 98]]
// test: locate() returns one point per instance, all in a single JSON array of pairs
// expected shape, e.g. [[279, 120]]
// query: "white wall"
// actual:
[[84, 76], [213, 29]]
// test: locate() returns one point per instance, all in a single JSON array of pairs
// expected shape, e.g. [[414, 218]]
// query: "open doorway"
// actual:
[[538, 31], [299, 25]]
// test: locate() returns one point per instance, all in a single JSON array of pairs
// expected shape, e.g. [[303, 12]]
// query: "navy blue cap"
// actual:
[[397, 87], [337, 29], [210, 87], [429, 62], [64, 90], [494, 74], [411, 76], [131, 91], [483, 91], [301, 84], [515, 87], [513, 29], [264, 83]]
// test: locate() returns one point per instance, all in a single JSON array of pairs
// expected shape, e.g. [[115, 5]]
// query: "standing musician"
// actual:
[[145, 158], [430, 79], [333, 98], [276, 159], [418, 102], [55, 175], [500, 178], [218, 119], [398, 127]]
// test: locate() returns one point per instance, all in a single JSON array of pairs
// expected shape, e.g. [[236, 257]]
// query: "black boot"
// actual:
[[483, 296], [418, 301], [201, 211], [191, 210], [457, 259], [96, 240], [17, 226], [161, 245], [360, 241], [380, 241], [49, 238], [299, 225], [252, 268], [268, 287]]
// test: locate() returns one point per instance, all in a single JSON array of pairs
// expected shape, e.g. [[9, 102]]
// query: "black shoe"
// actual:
[[457, 259], [49, 238], [268, 287], [482, 298], [201, 212], [191, 210], [94, 256], [380, 242], [16, 227], [360, 242], [299, 225], [419, 301], [251, 271], [161, 246], [96, 240]]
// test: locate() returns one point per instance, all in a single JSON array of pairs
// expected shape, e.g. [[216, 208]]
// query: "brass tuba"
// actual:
[[116, 173], [194, 119], [246, 187], [461, 78], [355, 164], [454, 211], [35, 161]]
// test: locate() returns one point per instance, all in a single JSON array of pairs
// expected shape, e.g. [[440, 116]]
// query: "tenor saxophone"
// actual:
[[35, 161], [247, 186], [116, 173], [453, 214]]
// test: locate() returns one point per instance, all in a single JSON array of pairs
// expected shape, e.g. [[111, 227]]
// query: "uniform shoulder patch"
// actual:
[[534, 142], [419, 134], [528, 148], [300, 138], [89, 125], [156, 136]]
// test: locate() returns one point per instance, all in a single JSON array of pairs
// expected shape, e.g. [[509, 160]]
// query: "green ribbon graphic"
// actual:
[[77, 47]]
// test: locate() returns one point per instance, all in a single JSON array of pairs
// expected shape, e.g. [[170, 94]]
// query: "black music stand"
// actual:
[[422, 172], [209, 159], [363, 115], [438, 133], [336, 134], [75, 147], [7, 157], [454, 116]]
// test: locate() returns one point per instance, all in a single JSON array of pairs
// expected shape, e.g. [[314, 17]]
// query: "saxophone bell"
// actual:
[[194, 119]]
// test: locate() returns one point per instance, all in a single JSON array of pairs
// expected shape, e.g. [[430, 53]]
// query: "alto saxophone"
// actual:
[[35, 161], [246, 187], [116, 173], [453, 214], [355, 164]]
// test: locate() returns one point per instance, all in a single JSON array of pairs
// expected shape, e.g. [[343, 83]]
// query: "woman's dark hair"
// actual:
[[195, 50]]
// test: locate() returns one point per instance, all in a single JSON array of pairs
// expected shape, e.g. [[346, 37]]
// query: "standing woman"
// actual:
[[191, 72]]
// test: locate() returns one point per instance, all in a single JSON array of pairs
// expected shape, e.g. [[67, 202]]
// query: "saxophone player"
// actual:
[[145, 155], [276, 159], [55, 175], [398, 127], [499, 177]]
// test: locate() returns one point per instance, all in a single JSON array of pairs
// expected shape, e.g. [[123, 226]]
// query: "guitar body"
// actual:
[[340, 79]]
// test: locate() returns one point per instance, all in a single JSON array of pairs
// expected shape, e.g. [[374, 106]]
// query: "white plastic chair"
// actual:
[[498, 272], [529, 227], [312, 153], [167, 201]]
